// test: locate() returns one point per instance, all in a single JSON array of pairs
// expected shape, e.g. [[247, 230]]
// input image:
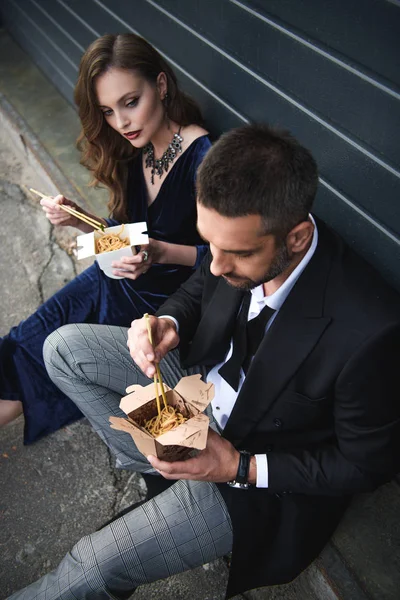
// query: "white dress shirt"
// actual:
[[225, 396]]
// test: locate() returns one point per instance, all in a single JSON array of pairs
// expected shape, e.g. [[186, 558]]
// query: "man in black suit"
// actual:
[[320, 398], [301, 339]]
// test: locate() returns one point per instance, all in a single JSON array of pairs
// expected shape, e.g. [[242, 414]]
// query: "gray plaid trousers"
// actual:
[[186, 526]]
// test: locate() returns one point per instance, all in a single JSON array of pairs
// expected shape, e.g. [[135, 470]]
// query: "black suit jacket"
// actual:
[[321, 398]]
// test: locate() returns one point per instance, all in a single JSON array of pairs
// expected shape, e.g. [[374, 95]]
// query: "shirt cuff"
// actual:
[[262, 470], [171, 319]]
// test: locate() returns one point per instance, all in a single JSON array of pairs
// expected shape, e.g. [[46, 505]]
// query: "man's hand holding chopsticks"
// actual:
[[165, 338]]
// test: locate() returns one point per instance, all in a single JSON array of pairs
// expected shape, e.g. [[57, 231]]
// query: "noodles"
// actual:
[[168, 418], [110, 241]]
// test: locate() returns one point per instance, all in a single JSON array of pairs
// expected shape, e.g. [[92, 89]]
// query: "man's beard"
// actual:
[[280, 263]]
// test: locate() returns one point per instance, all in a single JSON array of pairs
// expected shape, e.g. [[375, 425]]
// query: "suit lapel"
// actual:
[[213, 335], [292, 336], [274, 364]]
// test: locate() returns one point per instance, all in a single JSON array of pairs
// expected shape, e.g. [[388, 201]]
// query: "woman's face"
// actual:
[[131, 105]]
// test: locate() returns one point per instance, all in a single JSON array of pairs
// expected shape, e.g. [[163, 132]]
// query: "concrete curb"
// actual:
[[27, 144]]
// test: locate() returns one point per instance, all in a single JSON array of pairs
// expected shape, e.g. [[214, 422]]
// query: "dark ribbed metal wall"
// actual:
[[328, 70]]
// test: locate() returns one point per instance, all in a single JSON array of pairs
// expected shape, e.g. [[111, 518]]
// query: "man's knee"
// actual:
[[56, 348], [57, 341]]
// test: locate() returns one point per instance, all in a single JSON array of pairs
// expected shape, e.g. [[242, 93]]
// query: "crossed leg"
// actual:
[[182, 528], [185, 526]]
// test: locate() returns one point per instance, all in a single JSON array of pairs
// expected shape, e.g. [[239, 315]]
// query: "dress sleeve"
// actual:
[[112, 222], [201, 253], [202, 249]]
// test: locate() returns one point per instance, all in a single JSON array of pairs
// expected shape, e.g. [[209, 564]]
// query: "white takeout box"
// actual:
[[135, 232], [190, 396]]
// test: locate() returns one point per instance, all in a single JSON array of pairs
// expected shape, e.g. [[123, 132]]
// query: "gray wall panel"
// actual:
[[71, 22], [41, 32], [382, 252], [367, 31], [48, 59], [89, 14], [51, 31], [70, 34], [328, 70], [330, 88]]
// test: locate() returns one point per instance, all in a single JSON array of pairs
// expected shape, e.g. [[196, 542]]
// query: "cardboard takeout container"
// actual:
[[135, 232], [190, 397]]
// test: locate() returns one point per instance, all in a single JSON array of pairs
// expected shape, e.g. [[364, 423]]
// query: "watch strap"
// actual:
[[242, 475]]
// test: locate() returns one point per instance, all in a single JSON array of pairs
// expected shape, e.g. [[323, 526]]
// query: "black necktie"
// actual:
[[247, 337]]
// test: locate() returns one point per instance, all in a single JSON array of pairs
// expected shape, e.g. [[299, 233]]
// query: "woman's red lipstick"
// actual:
[[132, 135]]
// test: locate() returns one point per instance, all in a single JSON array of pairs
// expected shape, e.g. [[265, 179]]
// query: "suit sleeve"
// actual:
[[185, 304], [366, 452]]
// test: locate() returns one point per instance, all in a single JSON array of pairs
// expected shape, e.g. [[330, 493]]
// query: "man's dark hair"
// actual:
[[257, 169]]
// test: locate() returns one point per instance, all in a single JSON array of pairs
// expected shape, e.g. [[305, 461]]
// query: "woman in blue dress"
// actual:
[[142, 137]]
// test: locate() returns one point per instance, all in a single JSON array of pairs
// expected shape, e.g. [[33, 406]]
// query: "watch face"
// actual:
[[238, 485]]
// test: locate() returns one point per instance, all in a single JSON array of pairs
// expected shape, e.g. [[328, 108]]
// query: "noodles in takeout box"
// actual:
[[170, 429], [190, 398], [112, 244], [168, 417], [108, 242]]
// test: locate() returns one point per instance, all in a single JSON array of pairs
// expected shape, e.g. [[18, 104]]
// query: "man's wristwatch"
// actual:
[[242, 475]]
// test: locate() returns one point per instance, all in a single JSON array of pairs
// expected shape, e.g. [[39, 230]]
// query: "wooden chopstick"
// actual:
[[70, 209], [157, 374], [75, 213], [85, 218], [161, 386], [88, 220]]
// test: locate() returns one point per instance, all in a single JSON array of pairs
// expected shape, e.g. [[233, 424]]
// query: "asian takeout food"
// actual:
[[167, 418], [112, 244], [107, 242]]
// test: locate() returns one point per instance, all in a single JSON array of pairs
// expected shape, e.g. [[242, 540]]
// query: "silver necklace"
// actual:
[[159, 165]]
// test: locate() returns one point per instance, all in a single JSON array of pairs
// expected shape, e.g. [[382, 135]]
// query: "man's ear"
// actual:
[[299, 238]]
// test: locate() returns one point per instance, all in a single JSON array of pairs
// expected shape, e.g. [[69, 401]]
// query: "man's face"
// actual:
[[243, 254]]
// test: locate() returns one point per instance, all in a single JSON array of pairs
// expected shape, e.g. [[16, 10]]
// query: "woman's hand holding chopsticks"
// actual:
[[58, 216], [164, 336]]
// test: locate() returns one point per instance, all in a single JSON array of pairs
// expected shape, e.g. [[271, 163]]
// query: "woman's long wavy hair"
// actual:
[[104, 151]]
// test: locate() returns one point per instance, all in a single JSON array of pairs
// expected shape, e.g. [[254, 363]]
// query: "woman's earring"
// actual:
[[165, 100]]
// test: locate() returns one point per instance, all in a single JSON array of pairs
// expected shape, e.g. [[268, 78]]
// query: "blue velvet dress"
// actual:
[[92, 297]]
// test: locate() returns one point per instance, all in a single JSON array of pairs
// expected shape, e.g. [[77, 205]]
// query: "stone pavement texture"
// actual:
[[65, 486]]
